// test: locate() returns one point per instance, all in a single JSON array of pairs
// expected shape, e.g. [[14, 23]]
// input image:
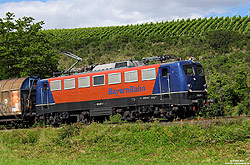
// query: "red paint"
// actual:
[[102, 92]]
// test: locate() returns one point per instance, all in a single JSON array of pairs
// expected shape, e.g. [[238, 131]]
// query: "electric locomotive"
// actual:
[[132, 89]]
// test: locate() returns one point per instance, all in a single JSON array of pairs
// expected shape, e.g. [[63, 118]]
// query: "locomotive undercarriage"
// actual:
[[165, 108], [151, 112], [143, 113], [58, 118]]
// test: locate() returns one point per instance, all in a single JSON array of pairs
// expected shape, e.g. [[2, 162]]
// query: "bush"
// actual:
[[21, 137], [69, 131], [244, 106], [30, 137], [117, 118], [221, 39]]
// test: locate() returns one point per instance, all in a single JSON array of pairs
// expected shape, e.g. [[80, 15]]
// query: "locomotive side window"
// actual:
[[131, 76], [188, 69], [98, 80], [148, 74], [199, 70], [55, 85], [164, 72], [69, 83], [114, 78], [83, 82], [45, 87]]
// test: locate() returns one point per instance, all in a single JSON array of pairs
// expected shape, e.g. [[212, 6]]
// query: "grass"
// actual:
[[128, 143]]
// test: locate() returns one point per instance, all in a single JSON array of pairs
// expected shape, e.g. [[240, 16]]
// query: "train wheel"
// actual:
[[85, 118]]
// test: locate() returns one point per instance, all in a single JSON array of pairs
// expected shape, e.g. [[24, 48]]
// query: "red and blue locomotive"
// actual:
[[134, 90]]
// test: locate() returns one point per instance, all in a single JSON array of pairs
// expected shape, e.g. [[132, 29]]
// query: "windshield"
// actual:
[[199, 70], [188, 69]]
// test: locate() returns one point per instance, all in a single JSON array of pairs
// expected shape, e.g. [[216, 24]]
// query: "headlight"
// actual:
[[205, 87], [189, 86]]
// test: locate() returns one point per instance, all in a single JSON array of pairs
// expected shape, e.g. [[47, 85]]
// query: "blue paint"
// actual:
[[29, 83], [131, 89], [178, 81], [43, 96]]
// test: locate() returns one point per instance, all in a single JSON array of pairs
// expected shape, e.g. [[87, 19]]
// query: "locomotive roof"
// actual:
[[181, 62], [141, 66]]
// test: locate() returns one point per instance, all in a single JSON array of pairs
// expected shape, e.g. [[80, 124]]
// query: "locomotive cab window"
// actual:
[[55, 85], [164, 72], [69, 83], [45, 87], [199, 70], [98, 80], [188, 69]]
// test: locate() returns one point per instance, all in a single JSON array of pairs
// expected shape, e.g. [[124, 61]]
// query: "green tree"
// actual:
[[221, 40], [24, 50]]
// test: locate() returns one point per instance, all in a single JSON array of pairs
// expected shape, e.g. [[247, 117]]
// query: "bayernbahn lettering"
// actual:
[[131, 89]]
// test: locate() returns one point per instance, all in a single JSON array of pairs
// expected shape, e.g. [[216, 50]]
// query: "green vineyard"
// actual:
[[159, 30]]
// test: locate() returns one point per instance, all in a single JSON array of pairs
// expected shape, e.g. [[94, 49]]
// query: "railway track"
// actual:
[[205, 120], [196, 121]]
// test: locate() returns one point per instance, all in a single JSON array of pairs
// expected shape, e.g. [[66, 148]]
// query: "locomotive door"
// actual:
[[45, 96], [165, 80]]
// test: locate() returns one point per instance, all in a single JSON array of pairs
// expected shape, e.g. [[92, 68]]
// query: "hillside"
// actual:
[[222, 45], [184, 38], [154, 31]]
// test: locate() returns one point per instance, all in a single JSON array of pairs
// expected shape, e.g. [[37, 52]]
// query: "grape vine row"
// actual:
[[189, 27]]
